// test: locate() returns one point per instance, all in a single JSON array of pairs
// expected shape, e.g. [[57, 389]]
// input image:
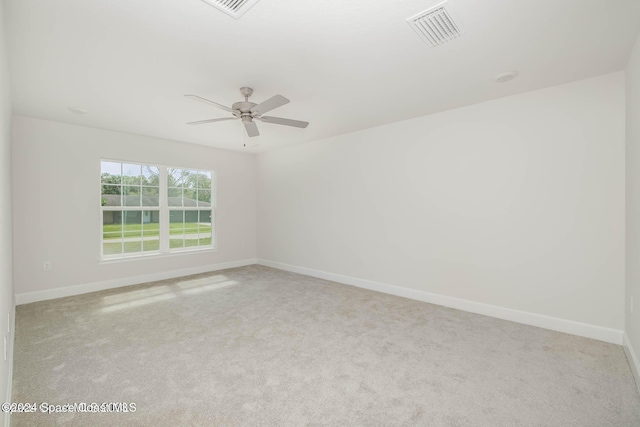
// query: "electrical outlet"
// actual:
[[46, 265]]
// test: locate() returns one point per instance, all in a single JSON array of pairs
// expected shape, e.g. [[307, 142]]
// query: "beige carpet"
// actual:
[[257, 346]]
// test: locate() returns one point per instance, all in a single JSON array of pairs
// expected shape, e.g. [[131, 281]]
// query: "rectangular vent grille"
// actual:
[[235, 8], [436, 25]]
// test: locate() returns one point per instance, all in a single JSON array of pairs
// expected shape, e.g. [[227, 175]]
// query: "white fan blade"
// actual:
[[201, 122], [215, 104], [268, 105], [252, 128], [286, 122]]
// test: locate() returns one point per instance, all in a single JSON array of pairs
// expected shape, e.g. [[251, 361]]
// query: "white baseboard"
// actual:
[[29, 297], [600, 333], [633, 359]]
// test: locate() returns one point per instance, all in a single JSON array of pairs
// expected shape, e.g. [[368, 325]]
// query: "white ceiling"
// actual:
[[345, 65]]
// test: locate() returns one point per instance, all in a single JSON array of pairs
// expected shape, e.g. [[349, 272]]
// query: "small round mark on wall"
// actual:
[[507, 76], [76, 110]]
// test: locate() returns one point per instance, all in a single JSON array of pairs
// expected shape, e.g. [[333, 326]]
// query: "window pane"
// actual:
[[113, 237], [150, 230], [132, 224], [112, 248], [176, 229], [131, 196], [131, 246], [191, 233], [175, 196], [204, 228], [110, 195], [131, 174], [176, 242], [204, 198], [111, 189], [151, 245], [111, 172], [190, 179], [150, 223], [204, 180], [176, 219], [175, 177], [205, 219], [189, 243], [111, 232], [133, 217], [191, 228], [150, 196], [150, 175], [189, 197], [111, 224], [191, 217]]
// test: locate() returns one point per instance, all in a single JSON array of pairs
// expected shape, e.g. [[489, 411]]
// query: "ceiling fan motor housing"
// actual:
[[243, 106]]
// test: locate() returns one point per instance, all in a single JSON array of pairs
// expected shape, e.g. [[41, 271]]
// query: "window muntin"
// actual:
[[136, 199]]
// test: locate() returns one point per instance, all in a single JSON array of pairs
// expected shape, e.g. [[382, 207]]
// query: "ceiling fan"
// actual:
[[248, 111]]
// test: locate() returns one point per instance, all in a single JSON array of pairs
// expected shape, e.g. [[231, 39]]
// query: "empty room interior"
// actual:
[[290, 213]]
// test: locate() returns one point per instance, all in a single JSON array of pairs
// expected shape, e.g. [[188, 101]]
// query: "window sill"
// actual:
[[155, 256]]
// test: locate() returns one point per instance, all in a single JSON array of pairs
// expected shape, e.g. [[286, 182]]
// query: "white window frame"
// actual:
[[164, 212]]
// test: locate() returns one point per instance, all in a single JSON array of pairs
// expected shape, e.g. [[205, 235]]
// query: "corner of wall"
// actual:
[[6, 220], [10, 346], [634, 363], [632, 201]]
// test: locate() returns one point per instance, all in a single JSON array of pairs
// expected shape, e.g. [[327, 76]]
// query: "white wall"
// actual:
[[517, 203], [632, 328], [56, 170], [6, 265]]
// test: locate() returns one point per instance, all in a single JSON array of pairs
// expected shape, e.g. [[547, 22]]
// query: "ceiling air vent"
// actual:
[[436, 25], [235, 8]]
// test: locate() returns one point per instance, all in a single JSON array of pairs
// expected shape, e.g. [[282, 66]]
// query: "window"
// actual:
[[151, 209]]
